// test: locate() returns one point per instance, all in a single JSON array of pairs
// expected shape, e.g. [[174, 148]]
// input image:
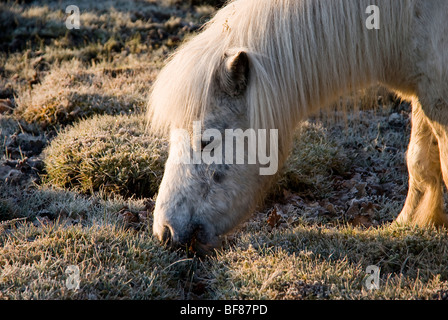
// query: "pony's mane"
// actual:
[[303, 55]]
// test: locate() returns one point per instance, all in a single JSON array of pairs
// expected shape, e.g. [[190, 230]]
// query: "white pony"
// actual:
[[268, 64]]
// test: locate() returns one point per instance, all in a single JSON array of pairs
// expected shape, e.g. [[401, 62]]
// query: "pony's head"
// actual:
[[218, 165], [221, 97]]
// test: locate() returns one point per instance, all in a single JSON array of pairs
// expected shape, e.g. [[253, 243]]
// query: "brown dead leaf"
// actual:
[[369, 207], [361, 221], [127, 216], [149, 205], [144, 216], [6, 105], [274, 218], [353, 210]]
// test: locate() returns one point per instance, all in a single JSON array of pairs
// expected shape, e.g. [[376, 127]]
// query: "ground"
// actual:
[[72, 132]]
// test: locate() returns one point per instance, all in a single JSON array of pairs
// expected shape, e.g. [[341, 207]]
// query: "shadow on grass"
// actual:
[[313, 261], [34, 31], [59, 112]]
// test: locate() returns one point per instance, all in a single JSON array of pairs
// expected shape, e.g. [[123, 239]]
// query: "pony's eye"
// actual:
[[218, 176]]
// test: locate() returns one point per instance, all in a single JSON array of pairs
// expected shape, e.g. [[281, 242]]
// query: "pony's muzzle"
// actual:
[[189, 239]]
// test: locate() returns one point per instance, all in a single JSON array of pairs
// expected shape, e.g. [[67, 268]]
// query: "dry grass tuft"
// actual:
[[108, 153], [71, 92]]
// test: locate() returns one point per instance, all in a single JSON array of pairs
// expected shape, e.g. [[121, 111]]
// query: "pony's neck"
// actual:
[[318, 51], [337, 54]]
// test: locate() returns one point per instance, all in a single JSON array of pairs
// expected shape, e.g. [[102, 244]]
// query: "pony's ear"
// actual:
[[235, 73]]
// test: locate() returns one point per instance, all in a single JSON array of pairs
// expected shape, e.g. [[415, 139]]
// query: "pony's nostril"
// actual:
[[192, 239], [167, 237]]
